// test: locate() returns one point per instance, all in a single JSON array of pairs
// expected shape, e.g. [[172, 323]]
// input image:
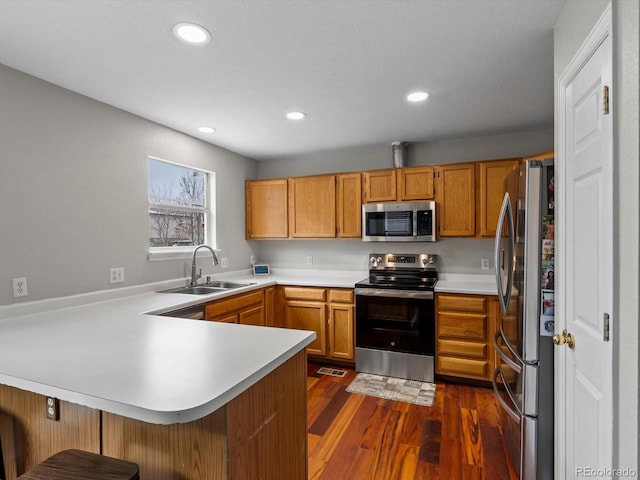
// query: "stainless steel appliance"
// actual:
[[524, 259], [395, 316], [399, 222]]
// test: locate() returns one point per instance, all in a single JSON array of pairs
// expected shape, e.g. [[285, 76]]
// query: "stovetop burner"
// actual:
[[401, 271]]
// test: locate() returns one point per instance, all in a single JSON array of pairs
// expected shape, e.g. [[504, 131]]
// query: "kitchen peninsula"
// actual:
[[185, 399]]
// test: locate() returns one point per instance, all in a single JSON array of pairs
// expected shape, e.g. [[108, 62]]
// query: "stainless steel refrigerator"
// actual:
[[524, 260]]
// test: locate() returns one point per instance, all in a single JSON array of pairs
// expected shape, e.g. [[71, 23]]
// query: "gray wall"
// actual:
[[456, 255], [575, 22], [73, 191]]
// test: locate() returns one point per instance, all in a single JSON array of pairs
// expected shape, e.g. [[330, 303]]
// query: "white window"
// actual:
[[180, 212]]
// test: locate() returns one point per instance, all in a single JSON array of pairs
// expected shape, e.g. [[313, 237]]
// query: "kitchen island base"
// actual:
[[260, 434]]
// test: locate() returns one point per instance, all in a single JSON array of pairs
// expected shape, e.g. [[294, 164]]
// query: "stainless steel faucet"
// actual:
[[194, 275]]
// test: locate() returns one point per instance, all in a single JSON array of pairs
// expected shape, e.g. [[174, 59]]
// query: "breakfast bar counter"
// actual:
[[185, 399]]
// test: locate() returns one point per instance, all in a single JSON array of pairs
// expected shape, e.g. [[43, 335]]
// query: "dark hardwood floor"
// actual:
[[357, 437]]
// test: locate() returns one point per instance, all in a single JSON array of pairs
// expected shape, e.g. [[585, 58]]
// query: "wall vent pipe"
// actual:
[[400, 154]]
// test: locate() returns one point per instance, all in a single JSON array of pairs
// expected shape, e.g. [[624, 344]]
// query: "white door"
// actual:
[[584, 402]]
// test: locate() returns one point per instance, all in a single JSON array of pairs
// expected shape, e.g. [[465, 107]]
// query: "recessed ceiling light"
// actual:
[[418, 96], [206, 129], [191, 33], [296, 115]]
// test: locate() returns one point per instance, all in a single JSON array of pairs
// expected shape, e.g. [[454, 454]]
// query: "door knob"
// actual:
[[564, 337]]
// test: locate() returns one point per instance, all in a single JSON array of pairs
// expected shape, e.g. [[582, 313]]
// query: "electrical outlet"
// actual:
[[116, 275], [53, 409], [252, 260], [484, 264], [224, 262], [309, 260], [20, 287]]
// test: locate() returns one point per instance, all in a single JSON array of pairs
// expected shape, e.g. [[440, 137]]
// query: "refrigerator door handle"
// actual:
[[506, 215], [512, 412]]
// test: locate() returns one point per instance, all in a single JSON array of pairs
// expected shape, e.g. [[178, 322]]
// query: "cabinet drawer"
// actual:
[[468, 326], [463, 349], [462, 303], [462, 366], [305, 293], [232, 318], [221, 307], [340, 295]]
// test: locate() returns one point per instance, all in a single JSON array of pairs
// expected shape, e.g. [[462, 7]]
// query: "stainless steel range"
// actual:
[[395, 316]]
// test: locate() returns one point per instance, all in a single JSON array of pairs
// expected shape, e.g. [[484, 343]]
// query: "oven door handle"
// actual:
[[380, 292]]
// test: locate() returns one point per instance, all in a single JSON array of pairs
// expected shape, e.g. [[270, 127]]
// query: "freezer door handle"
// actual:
[[498, 348], [513, 413]]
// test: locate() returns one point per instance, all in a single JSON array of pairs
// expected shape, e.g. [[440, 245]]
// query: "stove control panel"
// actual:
[[398, 260]]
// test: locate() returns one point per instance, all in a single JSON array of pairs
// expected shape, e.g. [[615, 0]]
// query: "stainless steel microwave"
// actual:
[[399, 222]]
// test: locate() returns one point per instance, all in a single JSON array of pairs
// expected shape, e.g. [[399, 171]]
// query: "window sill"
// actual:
[[172, 253]]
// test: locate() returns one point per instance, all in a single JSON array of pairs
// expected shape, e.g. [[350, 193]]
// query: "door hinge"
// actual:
[[605, 100], [606, 327]]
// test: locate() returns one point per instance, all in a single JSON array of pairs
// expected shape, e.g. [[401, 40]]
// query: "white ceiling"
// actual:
[[348, 64]]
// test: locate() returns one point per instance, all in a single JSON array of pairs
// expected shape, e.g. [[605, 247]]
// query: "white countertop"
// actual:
[[466, 283], [109, 351]]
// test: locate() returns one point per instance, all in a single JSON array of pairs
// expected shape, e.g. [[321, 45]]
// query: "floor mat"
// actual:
[[399, 389]]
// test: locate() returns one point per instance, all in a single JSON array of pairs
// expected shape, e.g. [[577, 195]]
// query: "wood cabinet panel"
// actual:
[[456, 200], [36, 438], [465, 325], [305, 293], [266, 209], [341, 331], [303, 315], [454, 366], [379, 186], [415, 183], [223, 307], [312, 207], [490, 178], [463, 303], [252, 316], [271, 316], [341, 295], [349, 205]]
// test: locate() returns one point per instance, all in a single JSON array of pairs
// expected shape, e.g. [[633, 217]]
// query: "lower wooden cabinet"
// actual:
[[245, 308], [327, 311], [465, 325]]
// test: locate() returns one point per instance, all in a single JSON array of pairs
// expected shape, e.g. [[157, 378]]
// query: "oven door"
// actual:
[[395, 320]]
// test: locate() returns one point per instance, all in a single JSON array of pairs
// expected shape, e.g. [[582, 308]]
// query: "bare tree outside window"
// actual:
[[177, 205]]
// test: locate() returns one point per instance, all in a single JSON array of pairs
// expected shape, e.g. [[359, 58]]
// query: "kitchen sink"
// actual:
[[207, 288], [226, 285]]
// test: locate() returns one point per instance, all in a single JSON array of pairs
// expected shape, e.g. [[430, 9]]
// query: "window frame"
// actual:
[[184, 252]]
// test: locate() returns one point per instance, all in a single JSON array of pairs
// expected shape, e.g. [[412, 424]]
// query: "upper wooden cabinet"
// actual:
[[398, 185], [456, 197], [349, 205], [415, 183], [379, 186], [312, 207], [266, 209], [490, 178]]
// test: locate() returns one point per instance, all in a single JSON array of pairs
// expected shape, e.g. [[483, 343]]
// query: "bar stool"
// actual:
[[81, 465]]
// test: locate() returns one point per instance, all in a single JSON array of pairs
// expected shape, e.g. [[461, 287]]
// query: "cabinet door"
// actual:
[[341, 342], [456, 200], [252, 316], [311, 316], [349, 205], [379, 186], [415, 183], [312, 207], [266, 214], [490, 178]]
